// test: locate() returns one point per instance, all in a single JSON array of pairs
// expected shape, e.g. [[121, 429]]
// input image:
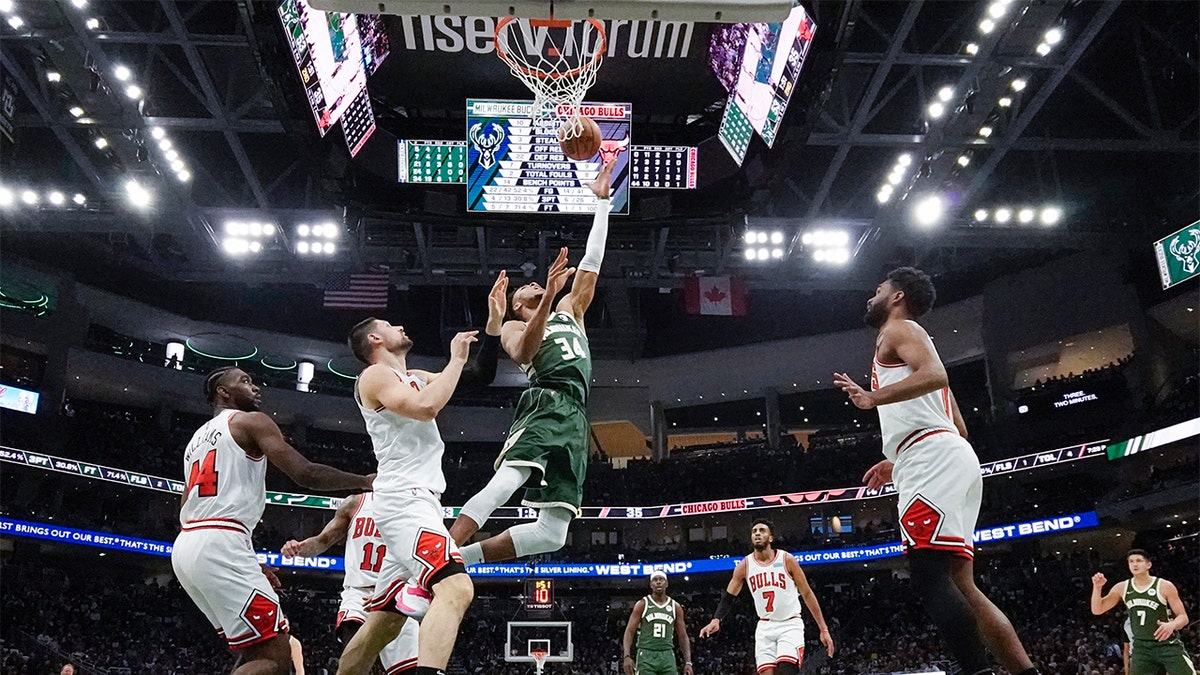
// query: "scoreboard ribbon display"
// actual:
[[516, 166]]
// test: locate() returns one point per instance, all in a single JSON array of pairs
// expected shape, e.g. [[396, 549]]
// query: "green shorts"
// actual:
[[1157, 658], [656, 662], [550, 436]]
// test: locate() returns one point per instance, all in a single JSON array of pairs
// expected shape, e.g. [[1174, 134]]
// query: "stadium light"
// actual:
[[963, 160], [101, 142], [904, 160], [986, 26], [79, 4], [1025, 215], [1043, 49], [981, 215], [929, 211], [184, 176], [75, 111], [53, 76], [6, 6], [93, 23], [1053, 36], [29, 197], [122, 73], [985, 131], [777, 237], [16, 22], [1051, 215], [883, 195], [1003, 215], [945, 94], [1005, 101], [972, 48], [137, 195], [997, 10], [56, 198], [79, 199], [6, 197], [157, 133], [751, 254], [936, 109], [1019, 84]]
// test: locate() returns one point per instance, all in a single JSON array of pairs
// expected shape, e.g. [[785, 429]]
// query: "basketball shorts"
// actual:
[[399, 654], [940, 489], [1153, 658], [778, 642], [656, 662], [550, 436], [418, 543], [218, 569]]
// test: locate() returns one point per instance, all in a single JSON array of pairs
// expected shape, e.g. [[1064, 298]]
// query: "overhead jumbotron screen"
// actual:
[[516, 166]]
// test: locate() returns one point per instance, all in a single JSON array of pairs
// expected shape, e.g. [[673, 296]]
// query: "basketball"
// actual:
[[836, 524], [579, 138]]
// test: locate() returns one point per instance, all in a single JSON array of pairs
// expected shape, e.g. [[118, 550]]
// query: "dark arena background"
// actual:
[[186, 185]]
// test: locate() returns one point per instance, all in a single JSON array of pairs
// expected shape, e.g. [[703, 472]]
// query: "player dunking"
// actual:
[[777, 584], [1156, 615], [365, 552], [222, 502], [935, 471], [547, 446], [399, 406], [656, 621]]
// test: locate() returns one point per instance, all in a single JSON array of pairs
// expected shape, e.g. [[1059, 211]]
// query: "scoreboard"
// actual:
[[515, 165], [663, 166], [432, 161]]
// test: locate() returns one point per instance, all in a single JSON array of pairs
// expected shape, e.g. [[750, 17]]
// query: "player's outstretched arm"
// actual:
[[1101, 604], [1165, 628], [522, 339], [481, 371], [583, 289], [332, 533], [258, 435], [810, 601], [681, 636], [378, 385], [635, 620], [727, 598]]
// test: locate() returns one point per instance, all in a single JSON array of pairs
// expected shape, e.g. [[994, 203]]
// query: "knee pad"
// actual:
[[548, 533]]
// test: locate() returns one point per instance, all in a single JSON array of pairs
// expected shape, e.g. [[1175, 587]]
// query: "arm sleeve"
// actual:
[[594, 253], [481, 371], [726, 604]]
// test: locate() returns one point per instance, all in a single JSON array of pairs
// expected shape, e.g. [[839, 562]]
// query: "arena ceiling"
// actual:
[[1105, 127]]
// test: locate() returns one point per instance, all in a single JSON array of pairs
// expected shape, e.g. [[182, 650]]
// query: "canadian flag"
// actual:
[[718, 296]]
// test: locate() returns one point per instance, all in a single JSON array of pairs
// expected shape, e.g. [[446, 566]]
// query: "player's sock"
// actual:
[[472, 554], [785, 668], [948, 609], [426, 670]]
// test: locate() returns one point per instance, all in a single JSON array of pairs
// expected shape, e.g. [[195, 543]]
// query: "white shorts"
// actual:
[[418, 543], [940, 489], [217, 567], [778, 642], [397, 656]]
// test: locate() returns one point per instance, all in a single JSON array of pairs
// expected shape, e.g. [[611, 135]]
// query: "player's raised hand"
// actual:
[[297, 549], [879, 475], [602, 186], [711, 629], [460, 346], [269, 573], [556, 280], [1098, 580], [497, 303], [861, 398], [1164, 630]]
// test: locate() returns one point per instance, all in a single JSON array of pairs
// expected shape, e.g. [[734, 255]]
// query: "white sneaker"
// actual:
[[413, 601]]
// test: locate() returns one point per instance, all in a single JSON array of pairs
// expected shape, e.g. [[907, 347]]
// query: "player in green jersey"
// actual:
[[656, 620], [1156, 613], [547, 447]]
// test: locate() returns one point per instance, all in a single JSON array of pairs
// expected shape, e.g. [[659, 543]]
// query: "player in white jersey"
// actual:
[[222, 502], [935, 471], [354, 521], [777, 585], [399, 406]]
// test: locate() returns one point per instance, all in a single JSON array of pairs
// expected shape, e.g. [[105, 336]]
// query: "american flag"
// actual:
[[366, 290]]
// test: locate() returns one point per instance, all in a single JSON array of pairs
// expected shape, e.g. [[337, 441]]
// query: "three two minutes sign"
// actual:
[[1178, 255]]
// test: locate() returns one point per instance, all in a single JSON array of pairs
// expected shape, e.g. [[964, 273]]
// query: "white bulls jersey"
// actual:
[[774, 590], [223, 482], [906, 423], [409, 451], [364, 546]]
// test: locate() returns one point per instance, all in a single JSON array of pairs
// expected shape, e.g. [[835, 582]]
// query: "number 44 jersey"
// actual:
[[224, 482]]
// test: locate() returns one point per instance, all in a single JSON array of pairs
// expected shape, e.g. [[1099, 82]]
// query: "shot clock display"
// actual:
[[539, 595]]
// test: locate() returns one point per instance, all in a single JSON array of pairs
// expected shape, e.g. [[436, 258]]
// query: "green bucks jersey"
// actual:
[[656, 632], [1146, 608], [563, 362]]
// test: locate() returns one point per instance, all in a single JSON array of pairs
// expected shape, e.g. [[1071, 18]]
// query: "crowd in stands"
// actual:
[[1084, 376]]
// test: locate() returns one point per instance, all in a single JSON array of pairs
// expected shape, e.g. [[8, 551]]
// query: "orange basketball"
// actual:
[[579, 138]]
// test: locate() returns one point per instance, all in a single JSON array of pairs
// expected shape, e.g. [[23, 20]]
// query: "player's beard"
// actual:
[[876, 315]]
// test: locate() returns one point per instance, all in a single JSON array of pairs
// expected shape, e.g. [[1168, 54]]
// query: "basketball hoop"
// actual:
[[556, 59], [539, 659]]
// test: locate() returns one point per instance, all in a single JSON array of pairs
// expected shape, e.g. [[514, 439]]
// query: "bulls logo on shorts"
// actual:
[[921, 521]]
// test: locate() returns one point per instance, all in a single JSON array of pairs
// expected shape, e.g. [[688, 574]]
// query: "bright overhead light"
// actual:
[[929, 210], [29, 197], [946, 93], [138, 195], [56, 198], [171, 155], [1005, 101], [235, 227], [165, 144], [972, 48], [751, 254], [93, 23], [776, 238], [184, 176], [762, 236], [997, 9], [53, 76], [134, 92], [302, 230], [776, 253], [808, 236], [79, 199], [838, 256], [177, 166], [268, 230], [235, 246], [101, 142], [1019, 84], [936, 109], [6, 6], [985, 131], [16, 22], [157, 133], [6, 197], [895, 178], [1043, 49], [256, 229], [1051, 215], [904, 160], [981, 215], [749, 236], [1025, 215], [1053, 36], [763, 253], [302, 247], [75, 111], [986, 26], [883, 196], [331, 232], [819, 255], [963, 160], [255, 247], [1003, 215], [123, 73], [79, 4]]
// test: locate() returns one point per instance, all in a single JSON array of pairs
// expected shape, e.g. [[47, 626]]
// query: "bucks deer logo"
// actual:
[[486, 140], [1187, 252]]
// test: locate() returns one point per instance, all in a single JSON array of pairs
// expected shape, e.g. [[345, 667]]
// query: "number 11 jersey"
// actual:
[[364, 546]]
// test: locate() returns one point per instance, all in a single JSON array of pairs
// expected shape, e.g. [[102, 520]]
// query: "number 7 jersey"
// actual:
[[224, 483], [563, 362], [774, 590]]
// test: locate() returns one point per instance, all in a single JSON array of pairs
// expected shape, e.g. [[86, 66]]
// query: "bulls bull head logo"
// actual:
[[610, 148], [1188, 253], [486, 141]]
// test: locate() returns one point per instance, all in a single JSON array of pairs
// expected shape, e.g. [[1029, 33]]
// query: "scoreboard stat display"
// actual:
[[433, 161]]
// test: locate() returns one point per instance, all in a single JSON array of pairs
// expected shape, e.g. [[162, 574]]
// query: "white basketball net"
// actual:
[[556, 60], [539, 659]]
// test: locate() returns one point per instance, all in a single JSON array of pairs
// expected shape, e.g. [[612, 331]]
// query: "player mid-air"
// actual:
[[777, 585], [655, 623], [1156, 615], [936, 474], [547, 446]]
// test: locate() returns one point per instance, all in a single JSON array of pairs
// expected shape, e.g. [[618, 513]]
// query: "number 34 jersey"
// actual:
[[563, 362], [364, 545], [224, 482]]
